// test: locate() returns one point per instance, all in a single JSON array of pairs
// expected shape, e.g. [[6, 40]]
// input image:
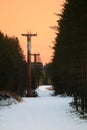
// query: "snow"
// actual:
[[41, 113], [8, 101], [43, 91]]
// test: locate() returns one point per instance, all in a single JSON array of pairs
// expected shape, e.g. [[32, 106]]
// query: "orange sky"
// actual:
[[20, 16]]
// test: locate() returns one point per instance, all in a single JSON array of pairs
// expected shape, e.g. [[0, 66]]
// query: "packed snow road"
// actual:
[[41, 113]]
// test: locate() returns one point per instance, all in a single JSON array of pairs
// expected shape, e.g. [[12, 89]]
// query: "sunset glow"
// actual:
[[21, 16]]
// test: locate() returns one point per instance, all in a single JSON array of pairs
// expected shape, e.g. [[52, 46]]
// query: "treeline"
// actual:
[[36, 74], [47, 74], [12, 65], [70, 53], [13, 68]]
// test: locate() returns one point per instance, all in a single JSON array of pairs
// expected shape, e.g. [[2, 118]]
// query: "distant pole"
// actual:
[[29, 35], [35, 57]]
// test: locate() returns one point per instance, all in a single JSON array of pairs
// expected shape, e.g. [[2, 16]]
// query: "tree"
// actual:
[[36, 74], [12, 65], [47, 74], [70, 51]]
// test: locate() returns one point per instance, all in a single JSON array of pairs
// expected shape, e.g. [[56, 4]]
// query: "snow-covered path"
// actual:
[[42, 113]]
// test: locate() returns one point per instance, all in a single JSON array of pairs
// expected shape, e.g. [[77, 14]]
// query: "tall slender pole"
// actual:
[[29, 35], [29, 65]]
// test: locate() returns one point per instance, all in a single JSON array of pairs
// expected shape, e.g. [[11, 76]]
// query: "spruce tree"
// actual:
[[70, 51], [12, 65]]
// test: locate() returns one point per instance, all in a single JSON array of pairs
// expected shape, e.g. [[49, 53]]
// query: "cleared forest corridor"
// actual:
[[41, 113]]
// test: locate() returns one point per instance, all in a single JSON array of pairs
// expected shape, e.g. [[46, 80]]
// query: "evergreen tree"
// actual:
[[12, 65], [47, 74], [70, 55]]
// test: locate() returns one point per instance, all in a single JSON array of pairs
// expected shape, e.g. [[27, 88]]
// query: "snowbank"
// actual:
[[45, 91], [8, 98]]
